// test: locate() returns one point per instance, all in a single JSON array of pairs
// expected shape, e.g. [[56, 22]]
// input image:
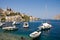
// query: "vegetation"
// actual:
[[26, 18], [11, 14], [3, 19], [3, 15]]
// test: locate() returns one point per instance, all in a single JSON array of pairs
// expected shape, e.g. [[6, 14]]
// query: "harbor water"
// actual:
[[51, 34]]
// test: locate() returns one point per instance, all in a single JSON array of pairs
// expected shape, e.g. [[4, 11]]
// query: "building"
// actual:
[[13, 18]]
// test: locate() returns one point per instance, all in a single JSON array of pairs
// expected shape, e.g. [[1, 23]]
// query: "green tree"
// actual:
[[3, 19], [26, 18]]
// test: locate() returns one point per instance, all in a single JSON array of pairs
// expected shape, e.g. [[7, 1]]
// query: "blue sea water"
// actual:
[[52, 34]]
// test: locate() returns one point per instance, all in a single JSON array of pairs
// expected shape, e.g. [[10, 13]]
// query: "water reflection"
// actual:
[[46, 31], [36, 38], [9, 31]]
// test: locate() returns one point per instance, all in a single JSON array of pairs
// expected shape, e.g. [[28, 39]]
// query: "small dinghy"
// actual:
[[35, 34], [25, 25]]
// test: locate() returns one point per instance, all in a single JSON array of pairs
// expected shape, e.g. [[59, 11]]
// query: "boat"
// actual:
[[15, 22], [25, 25], [35, 34], [45, 26], [1, 24], [10, 28]]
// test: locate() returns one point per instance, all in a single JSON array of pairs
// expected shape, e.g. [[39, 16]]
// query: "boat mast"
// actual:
[[46, 10]]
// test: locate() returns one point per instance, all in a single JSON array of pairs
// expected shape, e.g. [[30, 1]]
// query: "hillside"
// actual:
[[11, 15], [57, 17]]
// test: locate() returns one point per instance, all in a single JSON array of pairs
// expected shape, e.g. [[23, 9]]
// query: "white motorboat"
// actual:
[[9, 28], [45, 26], [25, 25], [35, 34]]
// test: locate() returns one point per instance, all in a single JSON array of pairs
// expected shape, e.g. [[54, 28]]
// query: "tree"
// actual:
[[26, 18], [3, 19]]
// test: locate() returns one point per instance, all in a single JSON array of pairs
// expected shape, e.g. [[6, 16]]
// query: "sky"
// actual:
[[44, 9]]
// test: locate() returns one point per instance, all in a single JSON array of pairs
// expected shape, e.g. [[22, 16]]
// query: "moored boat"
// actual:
[[15, 22], [10, 28], [1, 24], [25, 25], [45, 26], [35, 34]]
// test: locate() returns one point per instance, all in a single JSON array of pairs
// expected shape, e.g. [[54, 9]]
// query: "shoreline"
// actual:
[[8, 36]]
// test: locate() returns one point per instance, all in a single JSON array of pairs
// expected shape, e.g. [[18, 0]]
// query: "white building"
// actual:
[[13, 18]]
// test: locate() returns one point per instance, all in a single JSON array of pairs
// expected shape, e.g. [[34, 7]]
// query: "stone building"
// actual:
[[13, 18]]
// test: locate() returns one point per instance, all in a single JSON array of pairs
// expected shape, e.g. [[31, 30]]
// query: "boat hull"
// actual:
[[35, 35], [25, 25], [45, 29], [10, 29]]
